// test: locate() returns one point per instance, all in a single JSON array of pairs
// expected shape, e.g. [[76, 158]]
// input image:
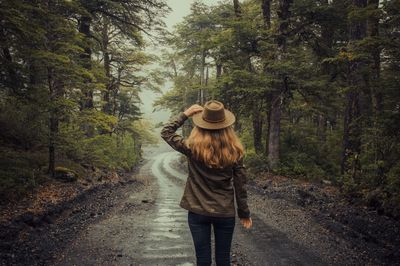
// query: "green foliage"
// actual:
[[321, 65], [21, 123], [303, 155], [107, 151], [112, 152], [20, 171], [337, 85], [69, 94], [256, 163], [97, 120]]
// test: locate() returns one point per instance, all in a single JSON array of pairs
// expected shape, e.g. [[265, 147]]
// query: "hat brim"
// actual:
[[229, 120]]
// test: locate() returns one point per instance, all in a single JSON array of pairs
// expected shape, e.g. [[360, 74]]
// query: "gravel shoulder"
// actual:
[[294, 223], [314, 224], [320, 219], [38, 237]]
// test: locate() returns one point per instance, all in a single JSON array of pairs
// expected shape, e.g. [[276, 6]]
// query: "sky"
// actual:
[[180, 8]]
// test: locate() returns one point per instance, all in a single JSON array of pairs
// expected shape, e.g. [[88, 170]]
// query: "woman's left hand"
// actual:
[[195, 108], [246, 222]]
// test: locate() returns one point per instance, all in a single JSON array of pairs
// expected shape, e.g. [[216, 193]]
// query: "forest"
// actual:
[[71, 73], [314, 86]]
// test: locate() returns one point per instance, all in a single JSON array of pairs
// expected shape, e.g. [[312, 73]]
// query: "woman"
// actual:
[[215, 158]]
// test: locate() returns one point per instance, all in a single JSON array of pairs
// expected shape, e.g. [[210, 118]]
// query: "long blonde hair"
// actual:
[[215, 148]]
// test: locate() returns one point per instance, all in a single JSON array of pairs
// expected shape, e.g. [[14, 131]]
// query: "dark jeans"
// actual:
[[200, 227]]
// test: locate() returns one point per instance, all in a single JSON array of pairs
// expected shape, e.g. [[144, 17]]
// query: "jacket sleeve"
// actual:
[[240, 182], [168, 133]]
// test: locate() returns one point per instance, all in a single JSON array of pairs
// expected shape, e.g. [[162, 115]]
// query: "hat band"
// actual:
[[214, 121]]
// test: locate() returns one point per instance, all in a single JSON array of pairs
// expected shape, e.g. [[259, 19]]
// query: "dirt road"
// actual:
[[150, 228], [138, 221]]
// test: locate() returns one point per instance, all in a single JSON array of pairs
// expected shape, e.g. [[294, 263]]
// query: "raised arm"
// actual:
[[168, 133]]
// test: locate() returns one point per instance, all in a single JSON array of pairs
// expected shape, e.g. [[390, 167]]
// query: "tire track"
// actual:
[[169, 241]]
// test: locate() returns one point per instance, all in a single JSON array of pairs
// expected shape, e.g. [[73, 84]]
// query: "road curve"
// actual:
[[147, 228], [150, 228], [169, 241]]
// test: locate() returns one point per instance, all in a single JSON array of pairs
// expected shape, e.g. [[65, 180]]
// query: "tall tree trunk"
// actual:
[[55, 92], [12, 81], [257, 129], [323, 50], [186, 127], [202, 77], [274, 130], [373, 32], [269, 101], [321, 127], [256, 117], [107, 108], [238, 124], [218, 70], [84, 28], [206, 95], [352, 124], [236, 8], [375, 88], [276, 96], [256, 113], [266, 10], [115, 91]]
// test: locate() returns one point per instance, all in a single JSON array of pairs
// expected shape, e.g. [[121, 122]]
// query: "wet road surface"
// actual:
[[169, 242], [150, 228]]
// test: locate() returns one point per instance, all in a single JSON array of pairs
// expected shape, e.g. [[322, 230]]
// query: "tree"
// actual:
[[54, 65], [281, 82], [352, 115]]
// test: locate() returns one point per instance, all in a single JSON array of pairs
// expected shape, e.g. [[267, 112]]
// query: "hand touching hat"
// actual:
[[213, 116]]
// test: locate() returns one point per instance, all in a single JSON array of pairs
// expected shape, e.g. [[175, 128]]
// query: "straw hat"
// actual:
[[213, 116]]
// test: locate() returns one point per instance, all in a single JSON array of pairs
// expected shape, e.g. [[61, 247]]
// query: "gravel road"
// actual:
[[150, 228], [140, 222]]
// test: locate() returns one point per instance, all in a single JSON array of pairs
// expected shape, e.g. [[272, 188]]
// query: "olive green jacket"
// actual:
[[208, 191]]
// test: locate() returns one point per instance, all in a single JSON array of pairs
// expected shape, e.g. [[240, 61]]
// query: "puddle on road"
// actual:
[[169, 242], [165, 234], [168, 210], [164, 219], [165, 248], [164, 256]]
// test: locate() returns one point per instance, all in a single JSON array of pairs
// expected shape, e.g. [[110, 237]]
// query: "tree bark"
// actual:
[[55, 92], [202, 76], [257, 129], [283, 13], [84, 28], [373, 32], [218, 70], [266, 10], [13, 81], [107, 108], [375, 88], [352, 124], [323, 45], [274, 130], [236, 7]]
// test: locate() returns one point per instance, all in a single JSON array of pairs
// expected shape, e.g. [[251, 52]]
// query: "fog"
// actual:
[[180, 8]]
